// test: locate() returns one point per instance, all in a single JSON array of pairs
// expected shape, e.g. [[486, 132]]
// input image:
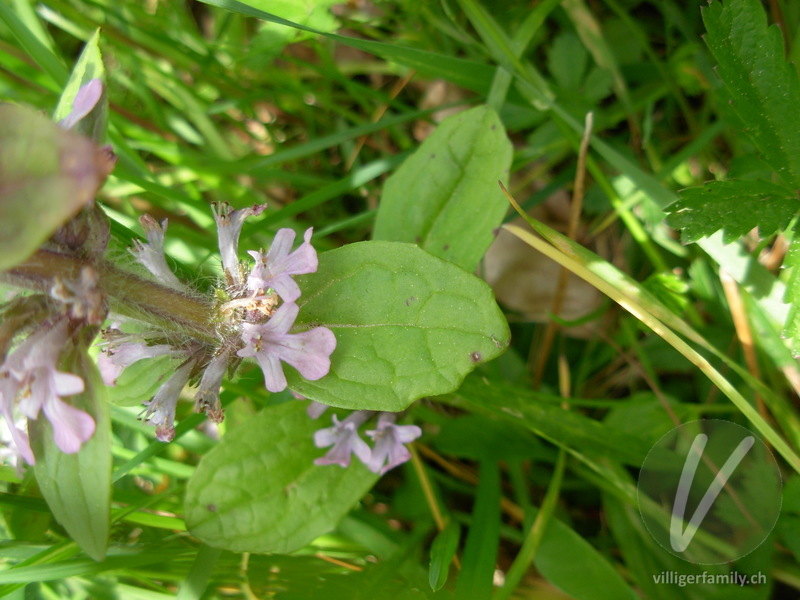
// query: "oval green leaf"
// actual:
[[259, 490], [46, 175], [443, 549], [574, 566], [77, 486], [445, 196], [407, 325]]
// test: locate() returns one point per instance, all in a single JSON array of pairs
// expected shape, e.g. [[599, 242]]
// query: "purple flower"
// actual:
[[315, 409], [389, 443], [229, 226], [113, 361], [308, 352], [8, 391], [85, 100], [30, 375], [275, 268], [160, 410], [151, 254], [207, 398], [344, 438]]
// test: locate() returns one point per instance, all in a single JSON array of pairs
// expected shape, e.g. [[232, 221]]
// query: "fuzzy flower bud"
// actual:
[[160, 410], [84, 297], [207, 398], [151, 254]]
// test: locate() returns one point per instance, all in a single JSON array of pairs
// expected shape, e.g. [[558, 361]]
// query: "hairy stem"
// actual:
[[128, 294]]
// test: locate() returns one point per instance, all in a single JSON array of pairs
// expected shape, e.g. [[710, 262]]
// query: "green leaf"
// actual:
[[445, 196], [197, 580], [482, 437], [46, 176], [140, 381], [734, 206], [566, 428], [567, 60], [764, 88], [77, 486], [258, 490], [570, 563], [483, 539], [642, 555], [792, 263], [89, 66], [407, 325], [272, 38], [443, 549], [23, 521]]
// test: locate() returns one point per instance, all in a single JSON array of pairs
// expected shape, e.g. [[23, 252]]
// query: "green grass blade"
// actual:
[[569, 255], [40, 53], [480, 551]]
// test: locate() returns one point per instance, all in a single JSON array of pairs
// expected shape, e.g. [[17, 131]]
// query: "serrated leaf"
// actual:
[[46, 175], [77, 486], [443, 549], [258, 490], [445, 196], [734, 206], [407, 325], [764, 88], [89, 66]]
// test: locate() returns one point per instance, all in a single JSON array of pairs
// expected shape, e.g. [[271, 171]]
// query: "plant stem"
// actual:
[[128, 294]]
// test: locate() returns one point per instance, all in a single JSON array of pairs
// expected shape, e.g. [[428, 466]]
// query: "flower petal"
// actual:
[[66, 384], [85, 100], [71, 426]]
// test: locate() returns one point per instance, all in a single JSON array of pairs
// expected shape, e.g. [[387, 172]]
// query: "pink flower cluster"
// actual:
[[254, 320], [30, 382]]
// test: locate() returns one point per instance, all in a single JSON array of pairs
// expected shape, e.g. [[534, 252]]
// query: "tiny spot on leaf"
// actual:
[[475, 357], [212, 508]]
